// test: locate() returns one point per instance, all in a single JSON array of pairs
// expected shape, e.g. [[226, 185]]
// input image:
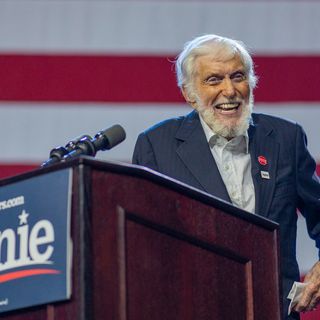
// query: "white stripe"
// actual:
[[156, 27], [307, 254], [29, 131]]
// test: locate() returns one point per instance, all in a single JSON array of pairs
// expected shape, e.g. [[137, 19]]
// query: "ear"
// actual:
[[189, 97]]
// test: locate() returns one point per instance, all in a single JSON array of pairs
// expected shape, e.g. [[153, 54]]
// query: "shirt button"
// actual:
[[226, 167]]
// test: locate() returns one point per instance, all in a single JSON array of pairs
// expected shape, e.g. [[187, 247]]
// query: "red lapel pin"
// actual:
[[262, 160]]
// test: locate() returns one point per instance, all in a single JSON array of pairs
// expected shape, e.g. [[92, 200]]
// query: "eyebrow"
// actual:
[[213, 74], [238, 71], [219, 75]]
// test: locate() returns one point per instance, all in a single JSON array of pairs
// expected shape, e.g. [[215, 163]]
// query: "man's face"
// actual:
[[222, 95]]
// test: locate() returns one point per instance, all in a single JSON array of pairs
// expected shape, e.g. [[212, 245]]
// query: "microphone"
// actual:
[[109, 138], [103, 140], [58, 153]]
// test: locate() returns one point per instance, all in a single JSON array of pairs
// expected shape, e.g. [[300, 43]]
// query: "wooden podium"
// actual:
[[146, 247]]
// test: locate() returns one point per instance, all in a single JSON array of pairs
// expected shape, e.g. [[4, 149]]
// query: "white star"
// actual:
[[23, 217]]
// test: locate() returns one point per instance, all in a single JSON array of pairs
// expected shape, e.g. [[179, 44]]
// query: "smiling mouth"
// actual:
[[230, 106]]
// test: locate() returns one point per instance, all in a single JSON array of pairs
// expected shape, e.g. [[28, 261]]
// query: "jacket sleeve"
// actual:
[[308, 186], [143, 153]]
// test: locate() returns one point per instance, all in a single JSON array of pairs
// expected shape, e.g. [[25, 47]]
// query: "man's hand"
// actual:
[[311, 295]]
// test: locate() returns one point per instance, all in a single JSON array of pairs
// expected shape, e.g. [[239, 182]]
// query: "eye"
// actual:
[[238, 77], [213, 80]]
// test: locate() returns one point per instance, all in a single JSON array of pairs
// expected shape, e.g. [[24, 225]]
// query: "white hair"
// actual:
[[222, 48]]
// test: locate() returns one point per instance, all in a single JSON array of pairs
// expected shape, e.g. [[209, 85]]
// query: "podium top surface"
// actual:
[[150, 175]]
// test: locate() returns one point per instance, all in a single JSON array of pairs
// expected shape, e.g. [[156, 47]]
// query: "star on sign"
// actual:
[[23, 217]]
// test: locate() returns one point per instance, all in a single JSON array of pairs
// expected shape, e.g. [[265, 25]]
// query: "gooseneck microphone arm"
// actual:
[[103, 140], [85, 145], [56, 155]]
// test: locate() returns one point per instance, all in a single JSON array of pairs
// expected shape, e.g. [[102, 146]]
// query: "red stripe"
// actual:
[[25, 273], [8, 170], [287, 78], [84, 78]]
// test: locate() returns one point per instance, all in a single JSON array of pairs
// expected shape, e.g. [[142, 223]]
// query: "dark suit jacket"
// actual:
[[178, 148]]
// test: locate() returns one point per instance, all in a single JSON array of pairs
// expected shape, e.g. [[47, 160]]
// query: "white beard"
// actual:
[[223, 129]]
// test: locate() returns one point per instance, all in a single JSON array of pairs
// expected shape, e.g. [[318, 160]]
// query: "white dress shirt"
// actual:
[[234, 163]]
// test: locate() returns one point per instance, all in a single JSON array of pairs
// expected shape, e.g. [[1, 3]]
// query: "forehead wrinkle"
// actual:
[[207, 65]]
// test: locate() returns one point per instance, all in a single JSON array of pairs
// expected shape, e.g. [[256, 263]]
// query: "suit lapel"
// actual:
[[195, 153], [262, 144]]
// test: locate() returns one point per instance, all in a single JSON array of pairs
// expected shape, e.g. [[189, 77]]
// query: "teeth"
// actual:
[[228, 106]]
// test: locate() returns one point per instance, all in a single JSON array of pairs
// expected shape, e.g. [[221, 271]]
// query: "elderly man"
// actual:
[[258, 162]]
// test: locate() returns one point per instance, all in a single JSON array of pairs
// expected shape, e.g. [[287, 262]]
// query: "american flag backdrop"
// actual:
[[72, 67]]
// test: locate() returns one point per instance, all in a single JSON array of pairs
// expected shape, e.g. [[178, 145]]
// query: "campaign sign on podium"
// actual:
[[35, 244]]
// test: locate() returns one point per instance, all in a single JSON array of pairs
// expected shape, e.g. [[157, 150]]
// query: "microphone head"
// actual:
[[109, 138]]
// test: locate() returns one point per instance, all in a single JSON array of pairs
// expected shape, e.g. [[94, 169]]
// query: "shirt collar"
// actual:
[[212, 137]]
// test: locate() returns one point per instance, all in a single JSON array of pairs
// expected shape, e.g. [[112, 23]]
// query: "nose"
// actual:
[[228, 90]]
